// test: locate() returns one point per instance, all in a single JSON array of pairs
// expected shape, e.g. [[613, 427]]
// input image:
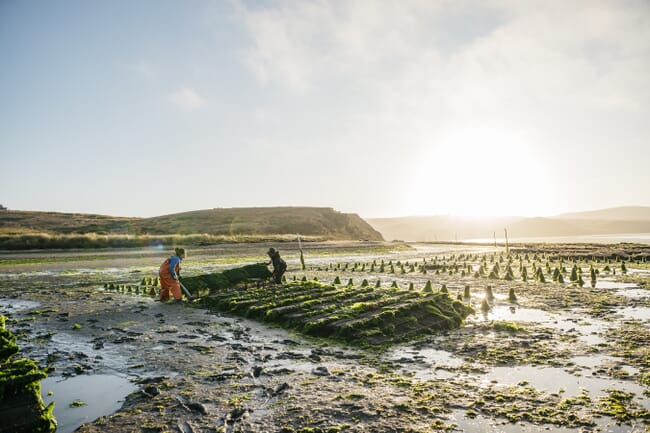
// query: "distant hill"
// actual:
[[325, 223], [627, 213], [449, 228]]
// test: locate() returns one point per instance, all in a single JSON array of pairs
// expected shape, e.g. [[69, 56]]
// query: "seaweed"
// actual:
[[359, 315], [21, 406], [208, 283]]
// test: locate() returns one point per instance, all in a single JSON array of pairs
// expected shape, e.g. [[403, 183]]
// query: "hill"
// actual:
[[22, 222], [626, 213], [449, 228], [308, 221], [33, 229]]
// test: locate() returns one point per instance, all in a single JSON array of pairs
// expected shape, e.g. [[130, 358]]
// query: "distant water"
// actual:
[[637, 238]]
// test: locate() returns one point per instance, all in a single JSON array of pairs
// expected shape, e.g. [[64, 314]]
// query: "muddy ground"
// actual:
[[562, 358]]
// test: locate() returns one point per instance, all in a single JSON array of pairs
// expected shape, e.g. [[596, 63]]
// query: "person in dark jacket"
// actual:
[[279, 265]]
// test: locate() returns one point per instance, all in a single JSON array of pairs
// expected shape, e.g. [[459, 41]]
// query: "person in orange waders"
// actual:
[[169, 273]]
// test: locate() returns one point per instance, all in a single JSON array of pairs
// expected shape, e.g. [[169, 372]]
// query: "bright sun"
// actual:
[[479, 172]]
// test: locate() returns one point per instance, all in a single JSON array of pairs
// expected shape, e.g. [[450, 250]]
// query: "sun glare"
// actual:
[[479, 172]]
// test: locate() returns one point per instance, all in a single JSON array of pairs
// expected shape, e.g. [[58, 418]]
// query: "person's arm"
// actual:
[[172, 266]]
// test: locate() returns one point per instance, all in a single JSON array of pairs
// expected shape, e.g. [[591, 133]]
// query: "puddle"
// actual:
[[553, 380], [520, 314], [609, 284], [13, 305], [636, 313], [587, 328], [102, 394], [635, 293]]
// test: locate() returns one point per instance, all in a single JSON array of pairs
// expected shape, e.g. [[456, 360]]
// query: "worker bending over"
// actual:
[[169, 273]]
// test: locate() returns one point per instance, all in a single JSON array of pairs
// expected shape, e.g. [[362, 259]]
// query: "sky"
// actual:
[[380, 108]]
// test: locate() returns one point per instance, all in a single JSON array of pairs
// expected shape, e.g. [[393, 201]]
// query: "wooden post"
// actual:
[[507, 247], [302, 258]]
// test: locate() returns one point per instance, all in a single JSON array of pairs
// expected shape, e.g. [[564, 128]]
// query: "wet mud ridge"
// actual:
[[319, 355]]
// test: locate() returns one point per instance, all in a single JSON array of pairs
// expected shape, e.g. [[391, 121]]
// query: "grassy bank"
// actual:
[[35, 241]]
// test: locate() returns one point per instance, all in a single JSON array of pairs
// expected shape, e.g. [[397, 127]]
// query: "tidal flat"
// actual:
[[558, 340]]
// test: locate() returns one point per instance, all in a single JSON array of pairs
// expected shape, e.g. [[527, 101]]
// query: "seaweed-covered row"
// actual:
[[354, 314], [21, 406], [201, 285]]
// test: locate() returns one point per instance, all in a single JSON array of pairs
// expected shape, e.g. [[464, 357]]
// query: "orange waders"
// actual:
[[169, 284]]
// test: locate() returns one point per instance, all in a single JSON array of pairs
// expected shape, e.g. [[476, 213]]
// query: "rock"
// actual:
[[280, 372], [197, 407], [185, 427], [236, 414], [290, 355], [321, 371], [256, 371], [280, 389], [151, 391], [191, 406]]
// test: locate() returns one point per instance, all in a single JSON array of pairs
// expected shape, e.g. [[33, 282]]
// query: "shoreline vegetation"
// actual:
[[38, 241]]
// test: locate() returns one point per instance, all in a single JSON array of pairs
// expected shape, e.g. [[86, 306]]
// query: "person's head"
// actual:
[[180, 252], [271, 252]]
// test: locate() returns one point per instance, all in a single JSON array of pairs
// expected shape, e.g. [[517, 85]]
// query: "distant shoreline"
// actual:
[[616, 238]]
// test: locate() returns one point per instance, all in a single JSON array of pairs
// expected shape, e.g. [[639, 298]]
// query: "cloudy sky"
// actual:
[[381, 108]]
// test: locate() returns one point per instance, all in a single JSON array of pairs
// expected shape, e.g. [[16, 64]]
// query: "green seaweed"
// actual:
[[358, 314], [201, 285], [20, 389]]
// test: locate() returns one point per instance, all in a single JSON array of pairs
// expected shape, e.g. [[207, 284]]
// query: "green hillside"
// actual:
[[23, 229], [22, 222], [308, 221]]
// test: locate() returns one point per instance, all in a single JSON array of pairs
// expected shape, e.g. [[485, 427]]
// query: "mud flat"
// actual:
[[560, 356]]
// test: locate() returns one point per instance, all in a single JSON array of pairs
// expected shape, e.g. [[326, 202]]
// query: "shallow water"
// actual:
[[102, 394], [13, 305], [634, 293], [587, 329], [609, 284], [591, 361], [636, 313]]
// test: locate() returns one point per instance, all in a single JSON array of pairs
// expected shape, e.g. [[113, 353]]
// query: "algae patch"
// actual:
[[361, 315], [22, 409]]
